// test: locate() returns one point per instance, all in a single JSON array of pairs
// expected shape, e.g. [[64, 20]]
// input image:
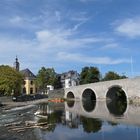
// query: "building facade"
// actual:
[[29, 86], [70, 78]]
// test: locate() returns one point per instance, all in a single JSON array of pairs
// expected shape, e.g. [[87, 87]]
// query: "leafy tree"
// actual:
[[112, 76], [46, 76], [10, 81], [51, 76], [57, 83], [89, 75], [91, 125], [123, 77], [41, 78]]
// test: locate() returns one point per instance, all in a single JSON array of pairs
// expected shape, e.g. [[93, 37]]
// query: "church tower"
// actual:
[[16, 64]]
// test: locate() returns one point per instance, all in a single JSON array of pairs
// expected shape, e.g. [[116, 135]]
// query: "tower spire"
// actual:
[[16, 64]]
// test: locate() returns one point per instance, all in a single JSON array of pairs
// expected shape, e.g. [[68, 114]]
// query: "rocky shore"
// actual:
[[13, 118]]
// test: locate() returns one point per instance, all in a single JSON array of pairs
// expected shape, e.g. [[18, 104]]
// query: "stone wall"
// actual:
[[59, 93]]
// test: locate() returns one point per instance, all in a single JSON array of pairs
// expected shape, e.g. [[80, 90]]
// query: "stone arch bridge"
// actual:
[[101, 90]]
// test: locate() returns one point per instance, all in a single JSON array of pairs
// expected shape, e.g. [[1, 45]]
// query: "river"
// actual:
[[75, 120]]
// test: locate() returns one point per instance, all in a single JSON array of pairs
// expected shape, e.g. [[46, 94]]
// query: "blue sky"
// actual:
[[71, 34]]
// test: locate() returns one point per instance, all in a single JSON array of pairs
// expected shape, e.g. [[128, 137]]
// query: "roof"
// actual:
[[28, 73]]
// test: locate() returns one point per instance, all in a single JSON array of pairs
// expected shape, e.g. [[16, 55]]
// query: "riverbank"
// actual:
[[13, 116], [17, 113], [6, 105]]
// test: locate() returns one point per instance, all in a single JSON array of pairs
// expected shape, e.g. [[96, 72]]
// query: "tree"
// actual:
[[57, 83], [89, 75], [112, 76], [10, 81], [45, 76], [51, 76], [41, 78]]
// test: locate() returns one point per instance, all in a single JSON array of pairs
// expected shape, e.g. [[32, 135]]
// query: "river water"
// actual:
[[75, 120]]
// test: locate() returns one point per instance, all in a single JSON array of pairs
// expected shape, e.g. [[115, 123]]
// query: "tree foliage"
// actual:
[[46, 76], [112, 76], [89, 75], [10, 81]]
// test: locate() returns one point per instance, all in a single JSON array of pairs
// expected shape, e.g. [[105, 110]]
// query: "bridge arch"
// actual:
[[88, 94], [115, 92], [116, 100], [70, 95], [70, 102], [88, 100]]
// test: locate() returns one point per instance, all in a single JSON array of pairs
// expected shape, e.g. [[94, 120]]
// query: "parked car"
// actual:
[[40, 96], [23, 98]]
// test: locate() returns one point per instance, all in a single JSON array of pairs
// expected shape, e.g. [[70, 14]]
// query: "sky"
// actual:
[[71, 34]]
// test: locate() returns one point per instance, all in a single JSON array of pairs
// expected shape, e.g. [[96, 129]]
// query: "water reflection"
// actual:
[[70, 103], [89, 105], [48, 113], [117, 107], [116, 101], [72, 122], [71, 119], [91, 125]]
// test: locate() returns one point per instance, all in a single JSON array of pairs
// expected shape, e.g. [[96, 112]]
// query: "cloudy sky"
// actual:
[[71, 34]]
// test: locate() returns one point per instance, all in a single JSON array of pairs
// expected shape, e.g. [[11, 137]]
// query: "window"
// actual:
[[31, 82], [24, 90], [31, 90], [24, 82]]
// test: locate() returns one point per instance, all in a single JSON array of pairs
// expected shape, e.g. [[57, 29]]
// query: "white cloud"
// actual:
[[77, 26], [92, 60], [50, 47], [16, 20], [129, 27], [81, 18], [24, 49], [53, 39], [53, 31], [110, 46], [65, 39]]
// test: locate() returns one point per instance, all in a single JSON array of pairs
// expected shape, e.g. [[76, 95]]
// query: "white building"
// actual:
[[69, 79], [50, 87], [70, 82]]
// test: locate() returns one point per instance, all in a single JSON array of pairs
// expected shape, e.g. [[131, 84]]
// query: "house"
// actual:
[[70, 78], [29, 86]]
